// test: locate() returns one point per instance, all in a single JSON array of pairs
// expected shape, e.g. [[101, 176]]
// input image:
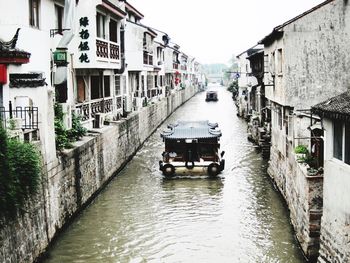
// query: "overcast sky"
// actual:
[[214, 31]]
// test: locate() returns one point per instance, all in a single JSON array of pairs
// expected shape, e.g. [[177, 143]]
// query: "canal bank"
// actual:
[[143, 217], [72, 181]]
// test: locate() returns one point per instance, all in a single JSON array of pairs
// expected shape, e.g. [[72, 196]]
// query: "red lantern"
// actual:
[[3, 74]]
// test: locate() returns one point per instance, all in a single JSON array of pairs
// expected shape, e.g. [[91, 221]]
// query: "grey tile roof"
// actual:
[[191, 130], [337, 107]]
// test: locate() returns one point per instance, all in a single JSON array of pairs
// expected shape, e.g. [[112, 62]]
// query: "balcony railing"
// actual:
[[152, 93], [175, 66], [27, 115], [106, 49], [119, 102], [89, 109]]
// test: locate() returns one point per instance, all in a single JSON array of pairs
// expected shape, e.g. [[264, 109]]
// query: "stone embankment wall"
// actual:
[[77, 175], [303, 194]]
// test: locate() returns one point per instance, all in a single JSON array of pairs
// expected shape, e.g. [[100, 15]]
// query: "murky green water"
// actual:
[[142, 217]]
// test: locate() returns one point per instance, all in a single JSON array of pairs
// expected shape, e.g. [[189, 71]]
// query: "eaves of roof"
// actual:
[[337, 107]]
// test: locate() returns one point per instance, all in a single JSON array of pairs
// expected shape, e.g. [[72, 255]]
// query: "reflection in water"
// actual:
[[143, 217]]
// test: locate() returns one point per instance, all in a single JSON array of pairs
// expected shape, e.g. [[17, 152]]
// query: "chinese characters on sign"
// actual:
[[84, 44]]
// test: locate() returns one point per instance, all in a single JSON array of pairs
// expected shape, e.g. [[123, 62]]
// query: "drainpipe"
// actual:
[[122, 58], [122, 51]]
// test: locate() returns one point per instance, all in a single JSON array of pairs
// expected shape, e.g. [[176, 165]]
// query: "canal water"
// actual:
[[142, 217]]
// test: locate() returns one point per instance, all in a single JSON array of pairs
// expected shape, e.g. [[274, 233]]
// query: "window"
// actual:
[[156, 80], [95, 87], [124, 84], [80, 89], [347, 143], [100, 25], [338, 140], [149, 82], [117, 85], [34, 13], [279, 61], [106, 86], [341, 141], [59, 18], [113, 31]]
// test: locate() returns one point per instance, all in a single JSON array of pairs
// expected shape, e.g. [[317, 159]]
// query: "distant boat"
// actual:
[[192, 147], [211, 96]]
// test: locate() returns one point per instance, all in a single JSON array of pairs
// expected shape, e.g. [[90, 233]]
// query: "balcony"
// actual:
[[107, 50], [175, 66], [152, 93], [88, 110]]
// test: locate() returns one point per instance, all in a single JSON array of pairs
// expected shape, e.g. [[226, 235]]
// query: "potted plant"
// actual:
[[301, 152]]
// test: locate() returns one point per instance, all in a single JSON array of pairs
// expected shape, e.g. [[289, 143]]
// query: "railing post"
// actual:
[[10, 109]]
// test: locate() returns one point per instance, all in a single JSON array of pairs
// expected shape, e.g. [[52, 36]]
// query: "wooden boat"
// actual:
[[211, 95], [192, 147]]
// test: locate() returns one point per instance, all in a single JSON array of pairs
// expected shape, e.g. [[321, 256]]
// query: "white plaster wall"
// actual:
[[243, 64], [335, 228], [38, 43], [168, 56], [317, 55], [134, 46], [89, 9]]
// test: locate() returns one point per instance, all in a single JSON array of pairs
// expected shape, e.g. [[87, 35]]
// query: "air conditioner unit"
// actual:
[[99, 120], [67, 115], [127, 103]]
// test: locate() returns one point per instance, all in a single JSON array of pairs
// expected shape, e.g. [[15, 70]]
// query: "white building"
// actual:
[[335, 230], [305, 62], [26, 69]]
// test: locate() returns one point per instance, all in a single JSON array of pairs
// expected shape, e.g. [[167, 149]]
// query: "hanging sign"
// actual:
[[84, 36]]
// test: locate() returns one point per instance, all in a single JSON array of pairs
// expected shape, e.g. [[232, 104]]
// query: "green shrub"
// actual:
[[77, 130], [301, 149], [65, 137], [20, 170]]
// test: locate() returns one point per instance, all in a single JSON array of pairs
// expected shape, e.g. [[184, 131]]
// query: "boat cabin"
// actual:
[[211, 95], [191, 146]]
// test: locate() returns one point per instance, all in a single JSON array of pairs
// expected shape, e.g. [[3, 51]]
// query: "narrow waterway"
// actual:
[[143, 217]]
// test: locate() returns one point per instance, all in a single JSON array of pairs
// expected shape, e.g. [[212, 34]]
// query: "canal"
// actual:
[[142, 217]]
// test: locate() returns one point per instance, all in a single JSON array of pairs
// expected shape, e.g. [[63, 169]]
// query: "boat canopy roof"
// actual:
[[191, 130]]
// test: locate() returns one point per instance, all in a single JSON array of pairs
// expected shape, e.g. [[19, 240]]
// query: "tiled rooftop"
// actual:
[[337, 107]]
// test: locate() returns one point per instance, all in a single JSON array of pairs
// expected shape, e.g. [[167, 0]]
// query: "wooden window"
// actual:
[[80, 89], [117, 85], [95, 88], [106, 86], [34, 13], [338, 140], [341, 141], [100, 25], [113, 31], [124, 84], [59, 18], [347, 143], [279, 61], [149, 82]]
